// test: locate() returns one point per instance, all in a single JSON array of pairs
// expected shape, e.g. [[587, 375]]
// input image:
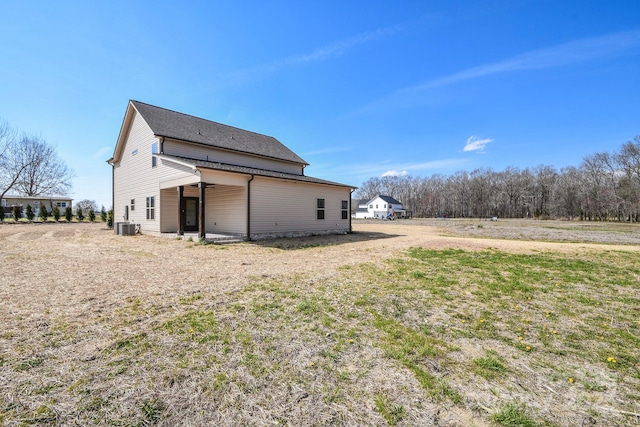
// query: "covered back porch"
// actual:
[[208, 205]]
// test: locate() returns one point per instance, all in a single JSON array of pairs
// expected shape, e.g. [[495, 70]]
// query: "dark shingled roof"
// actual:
[[250, 171], [389, 199], [184, 127]]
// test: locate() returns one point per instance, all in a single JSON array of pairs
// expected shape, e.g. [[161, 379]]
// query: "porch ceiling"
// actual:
[[176, 182]]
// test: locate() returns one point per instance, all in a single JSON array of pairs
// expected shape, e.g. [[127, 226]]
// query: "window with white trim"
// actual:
[[151, 207], [345, 209], [154, 150]]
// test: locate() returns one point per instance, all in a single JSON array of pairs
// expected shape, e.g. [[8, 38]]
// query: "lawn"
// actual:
[[306, 332]]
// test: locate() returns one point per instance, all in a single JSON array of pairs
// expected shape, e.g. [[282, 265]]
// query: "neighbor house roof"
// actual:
[[16, 196], [174, 125], [388, 199], [248, 171]]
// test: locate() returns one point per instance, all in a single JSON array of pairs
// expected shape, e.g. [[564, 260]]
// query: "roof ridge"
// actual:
[[201, 118]]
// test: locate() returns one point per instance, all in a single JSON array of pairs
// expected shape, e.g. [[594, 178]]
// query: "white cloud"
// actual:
[[395, 173], [476, 144]]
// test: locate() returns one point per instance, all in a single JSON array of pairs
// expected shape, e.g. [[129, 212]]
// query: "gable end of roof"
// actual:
[[172, 124]]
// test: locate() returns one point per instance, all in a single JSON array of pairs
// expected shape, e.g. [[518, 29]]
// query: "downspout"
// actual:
[[350, 199], [113, 189], [249, 208]]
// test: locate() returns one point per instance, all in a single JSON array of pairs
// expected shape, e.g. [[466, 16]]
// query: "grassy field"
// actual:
[[422, 336]]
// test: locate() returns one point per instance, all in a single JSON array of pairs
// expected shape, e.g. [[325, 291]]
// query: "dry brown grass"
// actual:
[[98, 329]]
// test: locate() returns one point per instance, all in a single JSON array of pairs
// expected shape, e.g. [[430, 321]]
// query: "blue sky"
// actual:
[[358, 89]]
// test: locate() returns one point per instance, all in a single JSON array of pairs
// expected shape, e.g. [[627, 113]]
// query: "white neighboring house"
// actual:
[[380, 207], [173, 172]]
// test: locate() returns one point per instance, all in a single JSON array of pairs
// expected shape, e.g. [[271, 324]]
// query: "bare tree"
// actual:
[[13, 161], [86, 205], [44, 172], [629, 160]]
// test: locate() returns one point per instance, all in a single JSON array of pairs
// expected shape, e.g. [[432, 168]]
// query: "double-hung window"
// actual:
[[151, 207], [319, 208], [345, 209]]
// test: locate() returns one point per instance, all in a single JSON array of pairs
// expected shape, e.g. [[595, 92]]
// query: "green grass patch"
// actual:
[[513, 415]]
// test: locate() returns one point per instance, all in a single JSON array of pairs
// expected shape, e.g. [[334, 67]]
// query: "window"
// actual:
[[370, 206], [345, 209], [319, 208], [154, 150], [133, 205], [61, 204], [376, 206], [4, 203], [151, 207]]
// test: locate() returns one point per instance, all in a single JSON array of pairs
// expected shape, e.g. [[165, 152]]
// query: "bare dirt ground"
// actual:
[[83, 268], [83, 272]]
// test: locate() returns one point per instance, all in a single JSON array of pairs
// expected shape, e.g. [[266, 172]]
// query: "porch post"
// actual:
[[181, 209], [201, 228]]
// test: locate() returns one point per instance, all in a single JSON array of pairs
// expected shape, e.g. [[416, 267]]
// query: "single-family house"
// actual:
[[380, 207], [174, 172], [10, 201]]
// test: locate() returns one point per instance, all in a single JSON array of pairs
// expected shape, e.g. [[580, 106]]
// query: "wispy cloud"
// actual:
[[320, 54], [556, 56], [327, 150], [395, 173], [101, 152], [387, 167], [577, 51], [476, 144]]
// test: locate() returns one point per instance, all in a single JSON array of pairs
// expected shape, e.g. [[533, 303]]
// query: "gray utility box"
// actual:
[[125, 229], [117, 227], [128, 229]]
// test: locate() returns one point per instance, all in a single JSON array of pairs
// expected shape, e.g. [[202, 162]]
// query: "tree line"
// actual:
[[605, 186]]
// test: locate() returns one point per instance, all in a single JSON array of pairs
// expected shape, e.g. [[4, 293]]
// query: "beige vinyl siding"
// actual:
[[280, 207], [135, 178], [201, 152], [169, 210], [226, 209]]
